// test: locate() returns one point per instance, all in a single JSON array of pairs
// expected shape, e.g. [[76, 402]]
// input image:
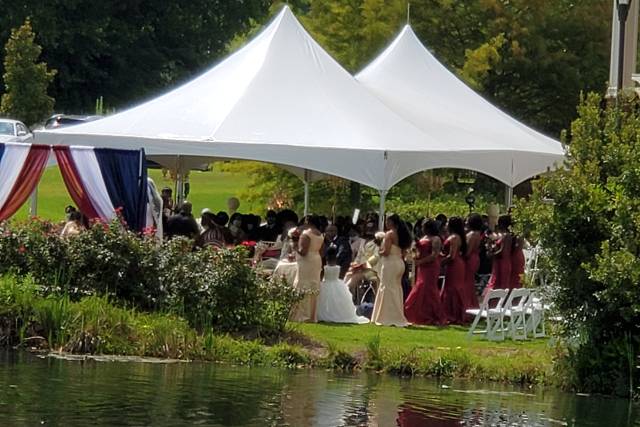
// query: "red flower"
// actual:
[[149, 231]]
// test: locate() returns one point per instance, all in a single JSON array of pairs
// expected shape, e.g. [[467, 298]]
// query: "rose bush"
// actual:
[[210, 288]]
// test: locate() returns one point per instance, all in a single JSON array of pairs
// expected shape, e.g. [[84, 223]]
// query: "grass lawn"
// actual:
[[209, 189], [355, 337], [438, 352]]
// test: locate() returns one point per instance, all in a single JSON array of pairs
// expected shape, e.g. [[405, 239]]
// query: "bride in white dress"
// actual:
[[335, 301]]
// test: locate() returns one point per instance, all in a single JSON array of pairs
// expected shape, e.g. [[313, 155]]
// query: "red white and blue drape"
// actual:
[[21, 167], [102, 181]]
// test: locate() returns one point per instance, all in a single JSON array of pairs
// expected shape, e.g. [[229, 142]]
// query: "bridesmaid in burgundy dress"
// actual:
[[517, 262], [472, 258], [501, 252], [423, 306], [453, 292]]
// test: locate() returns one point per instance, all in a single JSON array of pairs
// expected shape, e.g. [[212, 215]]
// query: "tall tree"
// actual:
[[128, 51], [26, 80]]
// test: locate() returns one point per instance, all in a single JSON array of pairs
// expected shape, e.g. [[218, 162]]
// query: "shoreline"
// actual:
[[299, 350]]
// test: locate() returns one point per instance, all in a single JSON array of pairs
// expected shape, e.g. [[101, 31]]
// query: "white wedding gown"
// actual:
[[334, 302]]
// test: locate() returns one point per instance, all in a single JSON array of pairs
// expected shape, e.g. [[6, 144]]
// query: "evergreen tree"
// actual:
[[25, 79]]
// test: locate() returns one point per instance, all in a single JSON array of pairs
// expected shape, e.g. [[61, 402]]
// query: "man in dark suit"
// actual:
[[342, 244]]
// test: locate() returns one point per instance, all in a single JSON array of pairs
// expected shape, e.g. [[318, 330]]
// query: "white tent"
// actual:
[[282, 99], [411, 81]]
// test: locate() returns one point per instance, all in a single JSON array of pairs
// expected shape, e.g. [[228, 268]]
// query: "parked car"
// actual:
[[62, 120], [14, 131]]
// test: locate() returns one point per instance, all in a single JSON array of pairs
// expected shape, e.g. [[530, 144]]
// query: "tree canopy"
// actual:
[[26, 80], [127, 51]]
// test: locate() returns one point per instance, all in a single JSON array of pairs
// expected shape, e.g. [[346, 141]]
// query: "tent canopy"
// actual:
[[282, 99], [411, 81]]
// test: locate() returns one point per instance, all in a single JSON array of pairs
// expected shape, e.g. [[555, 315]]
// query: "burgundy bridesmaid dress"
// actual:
[[453, 292], [517, 266], [423, 306], [471, 268], [501, 268]]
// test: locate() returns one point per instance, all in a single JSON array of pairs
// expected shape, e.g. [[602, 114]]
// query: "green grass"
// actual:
[[209, 189], [95, 325], [356, 337], [435, 352]]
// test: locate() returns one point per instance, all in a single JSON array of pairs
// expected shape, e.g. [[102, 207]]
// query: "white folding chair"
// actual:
[[515, 310], [493, 315], [534, 322]]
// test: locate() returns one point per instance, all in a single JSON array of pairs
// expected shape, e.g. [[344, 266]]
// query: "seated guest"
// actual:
[[74, 225], [199, 220], [356, 242], [270, 231], [251, 226], [235, 227], [342, 244], [212, 234], [285, 242], [221, 219], [182, 223]]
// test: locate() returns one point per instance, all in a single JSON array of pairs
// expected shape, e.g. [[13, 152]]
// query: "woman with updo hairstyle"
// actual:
[[309, 262], [472, 259], [500, 250], [423, 306], [388, 308], [453, 252]]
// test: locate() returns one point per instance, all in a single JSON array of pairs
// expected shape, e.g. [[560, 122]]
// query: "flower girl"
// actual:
[[335, 301]]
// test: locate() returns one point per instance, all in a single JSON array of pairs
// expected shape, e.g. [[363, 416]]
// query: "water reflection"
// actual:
[[57, 392]]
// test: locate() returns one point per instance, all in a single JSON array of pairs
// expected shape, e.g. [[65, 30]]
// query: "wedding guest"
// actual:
[[212, 234], [344, 249], [335, 301], [517, 261], [182, 223], [356, 242], [388, 308], [270, 231], [74, 225], [423, 305], [235, 227], [472, 259], [309, 271], [454, 249], [500, 250]]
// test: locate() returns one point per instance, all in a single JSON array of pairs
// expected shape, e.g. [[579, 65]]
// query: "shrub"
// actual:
[[590, 233], [208, 288]]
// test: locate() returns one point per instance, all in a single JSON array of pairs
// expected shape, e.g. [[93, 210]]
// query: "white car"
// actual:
[[14, 131]]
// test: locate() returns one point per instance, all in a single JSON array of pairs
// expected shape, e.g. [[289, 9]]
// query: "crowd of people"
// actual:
[[424, 273]]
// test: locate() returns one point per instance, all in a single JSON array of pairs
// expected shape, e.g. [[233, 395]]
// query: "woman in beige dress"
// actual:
[[309, 270], [388, 308]]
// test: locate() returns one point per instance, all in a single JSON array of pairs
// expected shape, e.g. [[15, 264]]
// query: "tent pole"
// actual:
[[383, 196], [33, 202], [508, 197], [306, 192]]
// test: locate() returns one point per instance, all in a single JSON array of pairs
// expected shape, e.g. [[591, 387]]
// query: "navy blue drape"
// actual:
[[125, 176]]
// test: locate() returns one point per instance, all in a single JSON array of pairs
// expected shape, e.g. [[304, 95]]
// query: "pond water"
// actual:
[[46, 391]]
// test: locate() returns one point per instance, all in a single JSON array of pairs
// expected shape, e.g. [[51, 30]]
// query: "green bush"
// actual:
[[449, 204], [209, 288], [587, 218]]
